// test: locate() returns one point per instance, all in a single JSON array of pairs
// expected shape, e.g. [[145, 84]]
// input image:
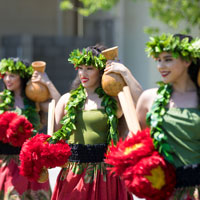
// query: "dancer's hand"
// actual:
[[116, 67], [40, 77]]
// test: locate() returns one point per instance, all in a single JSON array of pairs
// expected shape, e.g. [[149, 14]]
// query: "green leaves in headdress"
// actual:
[[18, 67], [86, 58], [188, 50]]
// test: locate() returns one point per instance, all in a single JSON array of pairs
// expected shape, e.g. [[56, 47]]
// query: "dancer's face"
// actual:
[[12, 81], [171, 69], [89, 76]]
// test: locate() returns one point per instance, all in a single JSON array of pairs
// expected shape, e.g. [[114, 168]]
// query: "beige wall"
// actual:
[[36, 17]]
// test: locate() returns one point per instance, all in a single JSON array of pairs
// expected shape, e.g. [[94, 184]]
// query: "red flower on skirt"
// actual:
[[151, 178], [37, 153], [128, 152], [31, 162], [55, 155], [144, 170], [5, 119], [19, 130]]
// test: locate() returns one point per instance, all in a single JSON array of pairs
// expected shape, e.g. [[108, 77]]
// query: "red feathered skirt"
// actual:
[[89, 181], [14, 186]]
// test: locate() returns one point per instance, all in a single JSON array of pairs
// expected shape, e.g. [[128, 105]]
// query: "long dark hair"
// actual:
[[193, 69], [96, 51]]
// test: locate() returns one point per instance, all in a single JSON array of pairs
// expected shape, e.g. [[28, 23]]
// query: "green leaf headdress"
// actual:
[[84, 57], [188, 50], [15, 65]]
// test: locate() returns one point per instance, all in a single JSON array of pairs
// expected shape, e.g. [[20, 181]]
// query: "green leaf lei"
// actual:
[[168, 43], [29, 111], [110, 105], [7, 99], [75, 103], [86, 58], [9, 65], [154, 119]]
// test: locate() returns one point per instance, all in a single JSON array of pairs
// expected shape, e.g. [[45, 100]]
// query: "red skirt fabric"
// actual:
[[89, 181], [14, 186]]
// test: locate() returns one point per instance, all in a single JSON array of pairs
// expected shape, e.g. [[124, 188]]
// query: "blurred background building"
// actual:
[[39, 30]]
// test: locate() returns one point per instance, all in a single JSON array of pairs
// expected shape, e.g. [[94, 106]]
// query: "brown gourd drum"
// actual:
[[37, 91], [112, 83]]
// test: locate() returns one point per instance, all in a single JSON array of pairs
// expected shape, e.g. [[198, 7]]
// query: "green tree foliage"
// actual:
[[173, 12], [87, 7], [170, 12]]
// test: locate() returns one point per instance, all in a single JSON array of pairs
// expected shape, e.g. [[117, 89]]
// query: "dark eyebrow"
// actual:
[[168, 56]]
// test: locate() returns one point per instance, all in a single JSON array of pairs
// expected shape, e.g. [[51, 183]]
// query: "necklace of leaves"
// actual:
[[76, 103], [154, 119], [7, 98]]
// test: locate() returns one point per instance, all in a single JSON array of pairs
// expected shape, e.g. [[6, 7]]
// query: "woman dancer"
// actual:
[[172, 111], [89, 118], [15, 73]]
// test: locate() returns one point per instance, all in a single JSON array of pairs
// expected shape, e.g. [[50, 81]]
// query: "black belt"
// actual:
[[87, 153], [8, 149], [188, 176]]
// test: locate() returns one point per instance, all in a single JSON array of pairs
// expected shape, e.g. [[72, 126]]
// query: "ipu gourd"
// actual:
[[112, 83], [37, 91]]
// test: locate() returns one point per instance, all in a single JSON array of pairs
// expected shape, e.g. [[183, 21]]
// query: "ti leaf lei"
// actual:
[[7, 99], [86, 58], [29, 111], [110, 105], [154, 119], [75, 103]]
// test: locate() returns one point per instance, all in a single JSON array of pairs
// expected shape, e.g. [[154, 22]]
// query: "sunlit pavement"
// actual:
[[53, 173]]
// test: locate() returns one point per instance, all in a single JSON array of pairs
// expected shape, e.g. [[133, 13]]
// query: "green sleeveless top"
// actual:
[[91, 127], [182, 127]]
